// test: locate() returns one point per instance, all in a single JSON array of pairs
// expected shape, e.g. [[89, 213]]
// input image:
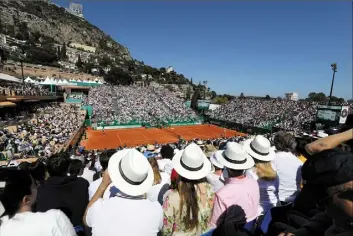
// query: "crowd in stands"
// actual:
[[285, 114], [140, 104], [41, 133], [218, 187], [22, 89]]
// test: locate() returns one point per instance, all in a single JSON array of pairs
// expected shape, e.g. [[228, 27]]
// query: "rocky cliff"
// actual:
[[40, 20]]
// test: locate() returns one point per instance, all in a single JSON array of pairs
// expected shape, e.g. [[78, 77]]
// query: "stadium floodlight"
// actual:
[[334, 69]]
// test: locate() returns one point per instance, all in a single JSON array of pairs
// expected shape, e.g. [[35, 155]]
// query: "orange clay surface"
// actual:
[[97, 139]]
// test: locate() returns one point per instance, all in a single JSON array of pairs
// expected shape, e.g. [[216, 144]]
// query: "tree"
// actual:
[[104, 61], [213, 94], [350, 101], [58, 52], [221, 100], [41, 55], [191, 81], [87, 67], [188, 93], [195, 97], [79, 62], [118, 76], [317, 97], [63, 55], [242, 95], [162, 69], [268, 97]]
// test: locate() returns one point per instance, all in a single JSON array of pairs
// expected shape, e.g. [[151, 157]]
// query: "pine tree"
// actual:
[[191, 81], [58, 52], [79, 63], [63, 52]]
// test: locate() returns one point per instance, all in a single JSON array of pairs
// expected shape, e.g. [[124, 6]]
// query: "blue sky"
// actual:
[[255, 48]]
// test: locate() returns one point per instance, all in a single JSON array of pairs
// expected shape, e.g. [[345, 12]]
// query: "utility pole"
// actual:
[[334, 69]]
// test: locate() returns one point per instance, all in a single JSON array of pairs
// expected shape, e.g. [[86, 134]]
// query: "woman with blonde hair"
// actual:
[[159, 187], [188, 208], [260, 150]]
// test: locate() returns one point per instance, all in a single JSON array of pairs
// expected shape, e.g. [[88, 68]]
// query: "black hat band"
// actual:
[[232, 161], [257, 152], [190, 168], [127, 179]]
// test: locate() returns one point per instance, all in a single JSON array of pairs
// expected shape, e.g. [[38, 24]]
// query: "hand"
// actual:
[[106, 178]]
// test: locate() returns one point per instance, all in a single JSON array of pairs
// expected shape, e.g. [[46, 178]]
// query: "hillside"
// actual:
[[40, 21]]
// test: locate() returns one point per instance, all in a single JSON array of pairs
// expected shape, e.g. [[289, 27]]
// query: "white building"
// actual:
[[169, 69], [75, 9], [292, 96]]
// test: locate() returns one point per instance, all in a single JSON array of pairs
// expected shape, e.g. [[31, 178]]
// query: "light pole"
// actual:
[[334, 69]]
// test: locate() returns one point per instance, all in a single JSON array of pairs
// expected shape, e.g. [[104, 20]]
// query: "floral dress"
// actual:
[[172, 223]]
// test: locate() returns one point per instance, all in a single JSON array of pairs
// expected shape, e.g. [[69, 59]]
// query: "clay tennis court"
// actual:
[[97, 139]]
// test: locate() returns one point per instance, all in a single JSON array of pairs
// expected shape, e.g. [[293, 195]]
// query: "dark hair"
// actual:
[[285, 142], [24, 165], [17, 185], [37, 170], [75, 168], [167, 152], [58, 164], [104, 158]]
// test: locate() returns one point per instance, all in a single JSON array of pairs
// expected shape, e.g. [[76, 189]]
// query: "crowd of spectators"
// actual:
[[234, 186], [22, 89], [285, 114], [140, 104], [41, 133]]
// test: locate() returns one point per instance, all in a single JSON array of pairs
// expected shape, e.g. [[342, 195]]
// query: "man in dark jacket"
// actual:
[[66, 193]]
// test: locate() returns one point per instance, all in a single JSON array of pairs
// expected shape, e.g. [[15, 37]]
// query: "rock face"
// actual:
[[48, 20]]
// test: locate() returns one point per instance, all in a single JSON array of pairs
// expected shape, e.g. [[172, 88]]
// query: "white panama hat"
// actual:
[[235, 157], [259, 148], [130, 172], [191, 163], [215, 159]]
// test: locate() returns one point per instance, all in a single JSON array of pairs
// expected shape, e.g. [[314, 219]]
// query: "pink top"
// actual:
[[242, 192]]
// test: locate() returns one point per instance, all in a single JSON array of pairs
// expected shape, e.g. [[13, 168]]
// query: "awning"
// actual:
[[7, 104]]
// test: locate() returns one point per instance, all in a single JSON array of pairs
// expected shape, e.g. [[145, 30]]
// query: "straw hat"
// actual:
[[191, 163], [130, 172], [235, 157], [259, 148]]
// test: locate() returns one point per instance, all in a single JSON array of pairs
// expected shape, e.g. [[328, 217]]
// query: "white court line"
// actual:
[[117, 134], [143, 135]]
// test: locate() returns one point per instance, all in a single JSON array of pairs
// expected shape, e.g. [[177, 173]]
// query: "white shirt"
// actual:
[[123, 216], [50, 223], [268, 192], [88, 174], [215, 180], [288, 169], [153, 193], [93, 187]]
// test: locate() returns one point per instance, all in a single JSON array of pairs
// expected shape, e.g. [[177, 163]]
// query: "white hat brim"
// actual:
[[119, 182], [192, 175], [213, 160], [244, 166], [269, 157]]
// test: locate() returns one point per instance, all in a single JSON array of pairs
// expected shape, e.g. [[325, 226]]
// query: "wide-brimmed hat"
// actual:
[[150, 148], [235, 157], [259, 148], [130, 172], [200, 143], [191, 163], [215, 159]]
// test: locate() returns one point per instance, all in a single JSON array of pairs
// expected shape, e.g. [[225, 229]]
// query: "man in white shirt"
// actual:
[[128, 212], [103, 159], [287, 165]]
